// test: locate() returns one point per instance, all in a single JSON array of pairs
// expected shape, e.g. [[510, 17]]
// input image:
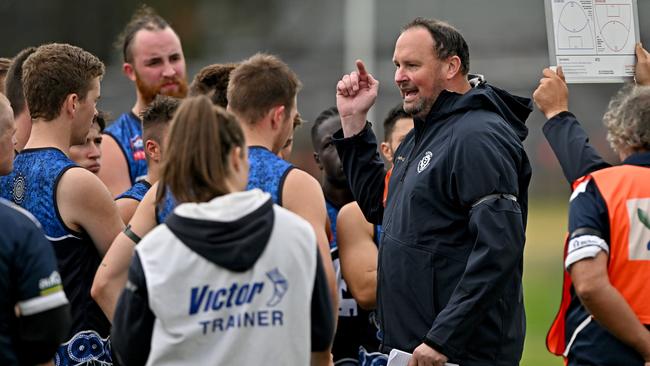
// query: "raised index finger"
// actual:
[[362, 69]]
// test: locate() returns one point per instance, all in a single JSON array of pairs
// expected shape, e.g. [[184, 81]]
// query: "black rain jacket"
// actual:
[[451, 253]]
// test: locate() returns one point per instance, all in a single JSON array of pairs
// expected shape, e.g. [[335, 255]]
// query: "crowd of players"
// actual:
[[254, 251]]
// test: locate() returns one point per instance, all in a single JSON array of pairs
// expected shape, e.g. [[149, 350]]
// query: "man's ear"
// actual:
[[152, 149], [453, 66], [70, 104], [386, 151], [129, 71], [277, 116], [317, 159]]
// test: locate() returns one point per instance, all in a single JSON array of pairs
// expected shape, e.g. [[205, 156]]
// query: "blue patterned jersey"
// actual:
[[165, 208], [267, 172], [127, 132], [32, 185], [136, 192]]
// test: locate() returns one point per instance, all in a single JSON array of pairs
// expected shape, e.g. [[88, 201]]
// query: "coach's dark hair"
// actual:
[[447, 40], [157, 115], [212, 81], [14, 81], [145, 17], [322, 117], [394, 115], [196, 159]]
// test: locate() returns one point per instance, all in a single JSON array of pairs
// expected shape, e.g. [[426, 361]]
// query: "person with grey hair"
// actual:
[[608, 250]]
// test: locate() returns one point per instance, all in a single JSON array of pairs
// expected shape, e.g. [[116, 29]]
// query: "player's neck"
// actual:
[[255, 137], [153, 172], [139, 106], [55, 133], [339, 196]]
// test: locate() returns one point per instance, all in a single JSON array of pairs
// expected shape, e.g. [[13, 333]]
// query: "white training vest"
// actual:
[[208, 315]]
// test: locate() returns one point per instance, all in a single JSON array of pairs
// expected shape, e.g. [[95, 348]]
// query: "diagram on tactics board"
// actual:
[[593, 39]]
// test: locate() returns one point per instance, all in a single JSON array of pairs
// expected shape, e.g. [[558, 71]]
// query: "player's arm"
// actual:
[[43, 311], [86, 205], [126, 207], [302, 195], [112, 272], [114, 171], [606, 305], [358, 255], [134, 321]]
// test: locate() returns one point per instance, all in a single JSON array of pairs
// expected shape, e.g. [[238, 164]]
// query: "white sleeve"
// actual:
[[583, 247]]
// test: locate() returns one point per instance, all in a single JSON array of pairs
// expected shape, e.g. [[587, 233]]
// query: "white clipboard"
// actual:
[[593, 40], [401, 358]]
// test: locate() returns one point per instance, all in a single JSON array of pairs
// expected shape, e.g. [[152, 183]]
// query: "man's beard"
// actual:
[[419, 109], [149, 92]]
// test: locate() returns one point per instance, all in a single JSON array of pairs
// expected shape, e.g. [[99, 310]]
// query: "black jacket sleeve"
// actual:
[[365, 171], [133, 321], [41, 334], [322, 320], [570, 144], [485, 173]]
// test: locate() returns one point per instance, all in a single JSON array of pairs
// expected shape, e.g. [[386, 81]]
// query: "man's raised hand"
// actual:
[[552, 94], [356, 92]]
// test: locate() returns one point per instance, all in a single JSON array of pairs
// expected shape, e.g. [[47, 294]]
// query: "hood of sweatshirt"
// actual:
[[231, 231]]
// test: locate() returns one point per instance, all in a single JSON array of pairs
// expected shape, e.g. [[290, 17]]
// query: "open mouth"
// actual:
[[409, 94]]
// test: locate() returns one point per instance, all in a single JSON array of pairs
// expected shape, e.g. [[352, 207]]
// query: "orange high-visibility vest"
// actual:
[[386, 180], [626, 191]]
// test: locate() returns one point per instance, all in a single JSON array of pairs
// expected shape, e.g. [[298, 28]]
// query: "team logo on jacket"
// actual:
[[424, 162], [19, 188], [639, 235]]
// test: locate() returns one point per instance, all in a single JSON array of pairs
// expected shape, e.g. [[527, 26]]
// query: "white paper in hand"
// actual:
[[401, 358]]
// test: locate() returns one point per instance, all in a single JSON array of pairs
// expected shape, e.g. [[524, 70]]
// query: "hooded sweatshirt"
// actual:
[[220, 280], [450, 259]]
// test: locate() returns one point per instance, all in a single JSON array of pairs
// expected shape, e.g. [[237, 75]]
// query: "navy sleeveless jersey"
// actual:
[[267, 172], [136, 192], [356, 340], [32, 185], [127, 132]]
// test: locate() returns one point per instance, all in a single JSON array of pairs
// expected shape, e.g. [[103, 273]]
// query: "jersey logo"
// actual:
[[639, 235], [280, 286], [424, 162], [643, 217], [138, 148], [19, 189]]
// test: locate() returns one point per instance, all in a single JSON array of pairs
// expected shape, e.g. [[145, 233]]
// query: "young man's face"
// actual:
[[325, 152], [7, 139], [158, 64], [88, 155], [419, 74], [85, 112]]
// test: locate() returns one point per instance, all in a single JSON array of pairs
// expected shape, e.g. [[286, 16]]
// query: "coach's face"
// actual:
[[418, 73]]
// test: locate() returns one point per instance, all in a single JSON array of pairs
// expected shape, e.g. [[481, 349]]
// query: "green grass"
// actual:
[[543, 276]]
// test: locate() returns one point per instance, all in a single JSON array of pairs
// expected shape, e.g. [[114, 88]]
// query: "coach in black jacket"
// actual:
[[450, 261]]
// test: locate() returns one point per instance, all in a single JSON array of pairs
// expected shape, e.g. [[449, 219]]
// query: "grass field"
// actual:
[[543, 276]]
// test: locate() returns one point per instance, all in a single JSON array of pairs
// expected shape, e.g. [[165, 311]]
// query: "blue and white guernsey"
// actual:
[[127, 132], [32, 185]]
